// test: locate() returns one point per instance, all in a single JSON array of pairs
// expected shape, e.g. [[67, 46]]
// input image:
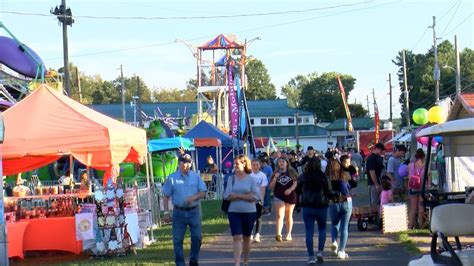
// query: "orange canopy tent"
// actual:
[[47, 124]]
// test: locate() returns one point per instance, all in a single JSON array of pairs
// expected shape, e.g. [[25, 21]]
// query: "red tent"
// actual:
[[47, 124]]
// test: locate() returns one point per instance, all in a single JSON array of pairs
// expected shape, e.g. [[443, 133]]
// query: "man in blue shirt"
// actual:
[[185, 188]]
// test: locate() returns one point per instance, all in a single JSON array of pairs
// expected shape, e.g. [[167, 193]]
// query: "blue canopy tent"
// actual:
[[206, 130], [170, 144]]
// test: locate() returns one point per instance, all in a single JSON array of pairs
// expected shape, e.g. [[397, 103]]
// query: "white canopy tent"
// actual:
[[458, 140]]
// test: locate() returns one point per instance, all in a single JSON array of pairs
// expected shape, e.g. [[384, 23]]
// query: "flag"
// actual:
[[233, 102], [377, 122], [346, 107]]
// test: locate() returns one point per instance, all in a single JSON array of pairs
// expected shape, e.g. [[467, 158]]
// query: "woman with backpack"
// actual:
[[416, 170]]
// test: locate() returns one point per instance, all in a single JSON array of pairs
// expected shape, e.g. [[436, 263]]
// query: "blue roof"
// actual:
[[170, 144], [261, 108]]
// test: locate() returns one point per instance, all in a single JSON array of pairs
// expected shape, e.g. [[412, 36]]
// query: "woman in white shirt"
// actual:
[[262, 183]]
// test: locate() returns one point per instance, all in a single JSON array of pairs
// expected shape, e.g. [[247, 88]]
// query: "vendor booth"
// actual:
[[212, 178], [38, 130], [205, 130]]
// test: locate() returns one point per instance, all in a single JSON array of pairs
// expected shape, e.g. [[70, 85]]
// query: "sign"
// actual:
[[233, 103]]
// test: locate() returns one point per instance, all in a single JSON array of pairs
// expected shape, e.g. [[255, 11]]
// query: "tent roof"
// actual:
[[207, 142], [170, 144], [461, 127], [220, 42], [206, 130], [47, 124]]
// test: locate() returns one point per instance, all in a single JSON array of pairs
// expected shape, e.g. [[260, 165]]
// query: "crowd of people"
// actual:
[[314, 183]]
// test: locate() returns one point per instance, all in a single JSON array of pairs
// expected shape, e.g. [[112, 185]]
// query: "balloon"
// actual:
[[437, 115], [403, 170], [439, 139], [420, 116], [422, 140]]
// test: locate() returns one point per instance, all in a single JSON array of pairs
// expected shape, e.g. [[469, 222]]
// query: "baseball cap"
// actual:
[[185, 158]]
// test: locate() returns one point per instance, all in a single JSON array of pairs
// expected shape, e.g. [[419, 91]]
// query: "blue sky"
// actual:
[[360, 40]]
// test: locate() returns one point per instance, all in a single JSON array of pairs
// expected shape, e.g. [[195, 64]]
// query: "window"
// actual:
[[277, 121], [263, 121], [299, 120], [291, 120], [306, 120], [271, 121], [251, 121]]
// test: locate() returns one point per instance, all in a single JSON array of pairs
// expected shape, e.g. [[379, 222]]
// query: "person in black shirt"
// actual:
[[374, 169]]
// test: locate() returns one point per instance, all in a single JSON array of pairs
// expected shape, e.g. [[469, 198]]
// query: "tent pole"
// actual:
[[152, 190], [71, 166], [149, 191]]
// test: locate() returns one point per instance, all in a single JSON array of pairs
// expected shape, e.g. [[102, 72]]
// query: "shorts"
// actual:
[[413, 192], [241, 223]]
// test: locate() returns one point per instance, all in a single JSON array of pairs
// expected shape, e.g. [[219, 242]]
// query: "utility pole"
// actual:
[[390, 93], [436, 72], [65, 17], [297, 131], [123, 94], [405, 87], [368, 107], [139, 104], [458, 66], [78, 82]]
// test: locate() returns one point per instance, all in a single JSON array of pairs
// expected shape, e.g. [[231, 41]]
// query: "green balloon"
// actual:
[[420, 116]]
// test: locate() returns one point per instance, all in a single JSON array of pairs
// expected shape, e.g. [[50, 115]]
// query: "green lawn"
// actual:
[[404, 238], [161, 253]]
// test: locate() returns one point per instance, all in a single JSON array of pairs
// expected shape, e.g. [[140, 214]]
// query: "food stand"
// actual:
[[39, 130]]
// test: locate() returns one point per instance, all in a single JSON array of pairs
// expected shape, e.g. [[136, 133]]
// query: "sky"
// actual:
[[355, 37]]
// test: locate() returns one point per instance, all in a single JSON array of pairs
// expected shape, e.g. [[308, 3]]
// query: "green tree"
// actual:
[[357, 110], [133, 86], [259, 84], [292, 89], [174, 95], [322, 96], [420, 80]]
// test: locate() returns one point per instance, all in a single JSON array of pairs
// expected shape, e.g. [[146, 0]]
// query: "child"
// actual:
[[386, 195]]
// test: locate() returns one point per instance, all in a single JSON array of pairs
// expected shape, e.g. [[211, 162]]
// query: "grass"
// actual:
[[214, 222], [410, 245]]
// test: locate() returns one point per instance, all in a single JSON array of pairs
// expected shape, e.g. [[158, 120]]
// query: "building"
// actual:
[[269, 118]]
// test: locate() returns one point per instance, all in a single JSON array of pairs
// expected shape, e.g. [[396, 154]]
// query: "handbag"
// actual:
[[415, 179], [226, 203]]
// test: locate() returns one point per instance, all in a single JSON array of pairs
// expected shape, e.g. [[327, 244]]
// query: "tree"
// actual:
[[174, 95], [259, 83], [292, 90], [420, 79], [357, 110], [322, 96]]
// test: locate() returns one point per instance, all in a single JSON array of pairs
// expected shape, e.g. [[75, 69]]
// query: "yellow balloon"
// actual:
[[437, 115]]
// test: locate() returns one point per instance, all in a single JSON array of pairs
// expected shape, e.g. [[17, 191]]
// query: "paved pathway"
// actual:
[[364, 248]]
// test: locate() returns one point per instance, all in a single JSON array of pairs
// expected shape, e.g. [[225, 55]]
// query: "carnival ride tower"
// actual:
[[213, 64], [221, 83]]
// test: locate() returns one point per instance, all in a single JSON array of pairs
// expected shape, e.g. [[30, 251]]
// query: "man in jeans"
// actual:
[[374, 173], [186, 188]]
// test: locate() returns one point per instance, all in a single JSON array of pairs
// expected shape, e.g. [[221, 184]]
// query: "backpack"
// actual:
[[414, 182]]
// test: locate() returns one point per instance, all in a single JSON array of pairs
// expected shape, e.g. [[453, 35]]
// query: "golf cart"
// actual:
[[450, 216]]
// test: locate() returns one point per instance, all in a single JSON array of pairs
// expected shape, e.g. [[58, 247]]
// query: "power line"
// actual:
[[462, 22], [246, 30], [317, 17], [193, 17], [452, 17], [447, 11]]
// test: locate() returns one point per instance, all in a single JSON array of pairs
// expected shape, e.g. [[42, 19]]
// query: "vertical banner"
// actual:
[[377, 122], [346, 107], [233, 103]]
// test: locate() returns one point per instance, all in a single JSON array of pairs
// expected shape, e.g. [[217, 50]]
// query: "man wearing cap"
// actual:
[[185, 188], [374, 173]]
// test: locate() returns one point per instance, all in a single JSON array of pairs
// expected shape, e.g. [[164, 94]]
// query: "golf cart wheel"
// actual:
[[362, 224]]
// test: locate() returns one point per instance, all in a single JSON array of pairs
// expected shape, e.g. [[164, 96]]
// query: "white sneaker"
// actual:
[[257, 238], [334, 248], [342, 255], [251, 238]]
